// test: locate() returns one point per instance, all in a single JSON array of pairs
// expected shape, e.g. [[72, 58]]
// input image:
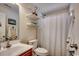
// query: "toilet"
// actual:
[[38, 51]]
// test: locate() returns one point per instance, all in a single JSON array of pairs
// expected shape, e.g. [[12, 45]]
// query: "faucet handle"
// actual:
[[67, 41], [76, 46]]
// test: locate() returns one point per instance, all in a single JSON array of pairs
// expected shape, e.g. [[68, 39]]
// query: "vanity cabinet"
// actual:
[[27, 53]]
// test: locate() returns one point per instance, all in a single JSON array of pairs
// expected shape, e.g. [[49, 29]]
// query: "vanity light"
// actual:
[[13, 3]]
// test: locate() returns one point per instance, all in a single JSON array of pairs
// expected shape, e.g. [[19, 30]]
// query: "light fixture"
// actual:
[[13, 3], [35, 11]]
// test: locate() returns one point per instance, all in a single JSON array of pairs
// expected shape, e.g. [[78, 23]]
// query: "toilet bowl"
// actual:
[[41, 51], [38, 51]]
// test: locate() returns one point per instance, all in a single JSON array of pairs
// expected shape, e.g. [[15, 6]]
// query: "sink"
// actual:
[[15, 49], [9, 51]]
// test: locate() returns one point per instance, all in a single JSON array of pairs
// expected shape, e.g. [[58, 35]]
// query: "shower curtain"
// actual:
[[53, 31]]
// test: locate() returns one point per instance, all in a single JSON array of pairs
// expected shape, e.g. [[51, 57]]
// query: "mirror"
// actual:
[[9, 21]]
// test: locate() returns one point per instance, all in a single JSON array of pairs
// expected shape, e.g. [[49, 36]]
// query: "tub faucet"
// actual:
[[76, 46], [73, 48]]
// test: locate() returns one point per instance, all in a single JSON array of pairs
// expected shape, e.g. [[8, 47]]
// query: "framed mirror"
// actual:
[[9, 21]]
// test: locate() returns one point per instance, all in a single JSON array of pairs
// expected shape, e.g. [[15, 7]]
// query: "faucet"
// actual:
[[7, 40], [0, 45], [73, 48], [8, 43], [0, 42]]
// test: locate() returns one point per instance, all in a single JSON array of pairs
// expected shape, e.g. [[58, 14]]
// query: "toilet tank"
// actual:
[[34, 43]]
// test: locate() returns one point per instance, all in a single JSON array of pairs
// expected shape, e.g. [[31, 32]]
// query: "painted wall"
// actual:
[[76, 24], [26, 33]]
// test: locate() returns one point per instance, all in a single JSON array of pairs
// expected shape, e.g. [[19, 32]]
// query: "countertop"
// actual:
[[15, 50]]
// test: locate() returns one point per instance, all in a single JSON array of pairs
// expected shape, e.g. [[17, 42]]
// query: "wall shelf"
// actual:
[[31, 24], [33, 17]]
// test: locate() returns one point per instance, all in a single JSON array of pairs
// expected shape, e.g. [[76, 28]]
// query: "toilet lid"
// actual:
[[41, 50]]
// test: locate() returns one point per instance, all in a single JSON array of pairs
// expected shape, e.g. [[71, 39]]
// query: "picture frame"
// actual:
[[11, 21]]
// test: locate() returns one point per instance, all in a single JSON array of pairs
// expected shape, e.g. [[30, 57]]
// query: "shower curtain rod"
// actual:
[[64, 9]]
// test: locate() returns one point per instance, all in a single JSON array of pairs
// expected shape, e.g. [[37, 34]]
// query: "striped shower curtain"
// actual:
[[53, 31]]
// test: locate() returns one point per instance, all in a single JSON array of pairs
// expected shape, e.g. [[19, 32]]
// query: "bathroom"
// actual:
[[39, 29]]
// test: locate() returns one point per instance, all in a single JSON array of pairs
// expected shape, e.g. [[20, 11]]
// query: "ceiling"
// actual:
[[42, 7], [45, 7], [13, 7]]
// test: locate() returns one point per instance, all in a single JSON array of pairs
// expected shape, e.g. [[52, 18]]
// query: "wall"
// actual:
[[26, 33], [10, 13], [76, 24]]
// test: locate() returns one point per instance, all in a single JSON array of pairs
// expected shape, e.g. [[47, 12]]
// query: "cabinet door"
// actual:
[[27, 53]]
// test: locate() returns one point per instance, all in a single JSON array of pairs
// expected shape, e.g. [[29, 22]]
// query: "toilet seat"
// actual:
[[41, 51]]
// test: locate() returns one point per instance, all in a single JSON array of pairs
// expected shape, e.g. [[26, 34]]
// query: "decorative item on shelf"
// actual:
[[33, 15], [34, 12]]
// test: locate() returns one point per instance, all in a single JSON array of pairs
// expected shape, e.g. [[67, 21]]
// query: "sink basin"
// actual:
[[15, 50]]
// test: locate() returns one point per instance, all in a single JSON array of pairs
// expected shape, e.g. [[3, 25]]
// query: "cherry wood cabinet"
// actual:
[[27, 53]]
